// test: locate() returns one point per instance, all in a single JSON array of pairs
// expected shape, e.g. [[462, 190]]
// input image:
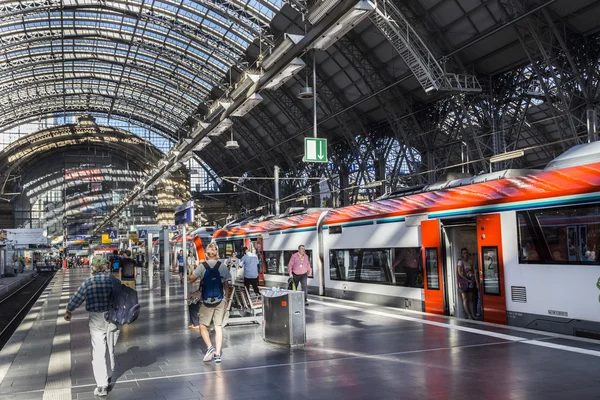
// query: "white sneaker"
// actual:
[[209, 353], [101, 391]]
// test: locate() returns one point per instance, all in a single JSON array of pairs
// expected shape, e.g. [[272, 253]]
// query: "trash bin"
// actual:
[[284, 317]]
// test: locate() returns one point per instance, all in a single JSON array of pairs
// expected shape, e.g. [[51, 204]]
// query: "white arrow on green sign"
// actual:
[[315, 150]]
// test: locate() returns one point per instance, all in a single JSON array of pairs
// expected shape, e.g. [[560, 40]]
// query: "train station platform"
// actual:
[[353, 351], [10, 284]]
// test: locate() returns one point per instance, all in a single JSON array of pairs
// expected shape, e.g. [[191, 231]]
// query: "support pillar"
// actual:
[[276, 191], [592, 125], [166, 262], [380, 175], [150, 261], [185, 266], [344, 183]]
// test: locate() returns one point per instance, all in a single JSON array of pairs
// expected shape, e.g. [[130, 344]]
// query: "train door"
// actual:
[[457, 235], [489, 240], [433, 287]]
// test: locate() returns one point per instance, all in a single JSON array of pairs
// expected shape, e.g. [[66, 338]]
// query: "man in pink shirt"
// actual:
[[299, 268]]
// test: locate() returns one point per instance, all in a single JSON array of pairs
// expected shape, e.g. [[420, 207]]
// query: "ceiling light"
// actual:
[[305, 93], [282, 48], [232, 144], [293, 67], [321, 9], [248, 80], [205, 141], [199, 128], [247, 105], [348, 21], [222, 127], [216, 109], [507, 156]]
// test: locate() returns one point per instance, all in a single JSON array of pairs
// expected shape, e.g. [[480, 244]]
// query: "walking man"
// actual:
[[250, 263], [299, 268], [214, 292], [181, 265], [95, 291]]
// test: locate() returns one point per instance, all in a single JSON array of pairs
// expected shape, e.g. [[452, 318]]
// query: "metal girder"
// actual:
[[248, 18], [542, 47], [36, 36], [415, 53], [42, 53], [109, 87], [393, 102], [181, 23], [94, 104], [149, 103], [82, 78], [139, 122]]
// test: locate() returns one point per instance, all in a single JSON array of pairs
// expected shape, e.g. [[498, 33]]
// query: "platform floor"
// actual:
[[354, 351]]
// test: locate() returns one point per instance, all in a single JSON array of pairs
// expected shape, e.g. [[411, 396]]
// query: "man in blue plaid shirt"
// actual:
[[95, 291]]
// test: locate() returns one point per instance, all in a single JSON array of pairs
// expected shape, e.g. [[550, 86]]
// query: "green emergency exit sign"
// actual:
[[315, 150]]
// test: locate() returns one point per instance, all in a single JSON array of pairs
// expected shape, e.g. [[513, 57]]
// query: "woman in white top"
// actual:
[[191, 262]]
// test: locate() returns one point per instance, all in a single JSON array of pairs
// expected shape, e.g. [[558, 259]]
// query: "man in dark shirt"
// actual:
[[95, 291]]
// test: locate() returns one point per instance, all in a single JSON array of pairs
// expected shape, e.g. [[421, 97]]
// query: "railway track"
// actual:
[[16, 306]]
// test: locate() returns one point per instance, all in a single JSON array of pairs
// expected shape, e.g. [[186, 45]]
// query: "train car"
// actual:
[[200, 238], [532, 237]]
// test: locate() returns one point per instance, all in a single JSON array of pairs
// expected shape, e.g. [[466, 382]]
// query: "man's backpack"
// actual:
[[212, 286], [115, 263], [123, 307]]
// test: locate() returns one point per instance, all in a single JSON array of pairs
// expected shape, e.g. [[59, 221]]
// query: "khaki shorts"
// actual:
[[216, 314]]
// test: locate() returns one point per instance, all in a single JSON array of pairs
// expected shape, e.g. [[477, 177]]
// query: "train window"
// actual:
[[288, 254], [230, 246], [431, 266], [361, 265], [407, 267], [491, 270], [273, 260], [565, 235]]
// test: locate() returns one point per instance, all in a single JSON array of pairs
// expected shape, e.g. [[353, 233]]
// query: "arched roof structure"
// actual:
[[30, 149], [162, 64]]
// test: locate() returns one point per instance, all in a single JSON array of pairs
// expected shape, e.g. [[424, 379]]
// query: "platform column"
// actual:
[[164, 290], [185, 265], [150, 261]]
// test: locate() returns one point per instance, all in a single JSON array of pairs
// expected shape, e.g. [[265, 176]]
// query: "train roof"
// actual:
[[529, 188], [306, 220], [483, 194]]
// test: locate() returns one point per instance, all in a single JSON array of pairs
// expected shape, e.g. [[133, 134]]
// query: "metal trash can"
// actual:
[[284, 317]]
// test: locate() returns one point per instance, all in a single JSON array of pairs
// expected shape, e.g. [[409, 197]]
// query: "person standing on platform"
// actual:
[[213, 297], [191, 262], [140, 259], [181, 265], [115, 263], [233, 263], [299, 268], [250, 263], [95, 291]]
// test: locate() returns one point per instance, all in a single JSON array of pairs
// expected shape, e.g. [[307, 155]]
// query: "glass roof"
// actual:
[[153, 62]]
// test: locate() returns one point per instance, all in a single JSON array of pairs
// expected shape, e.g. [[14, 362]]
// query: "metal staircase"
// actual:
[[415, 53]]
